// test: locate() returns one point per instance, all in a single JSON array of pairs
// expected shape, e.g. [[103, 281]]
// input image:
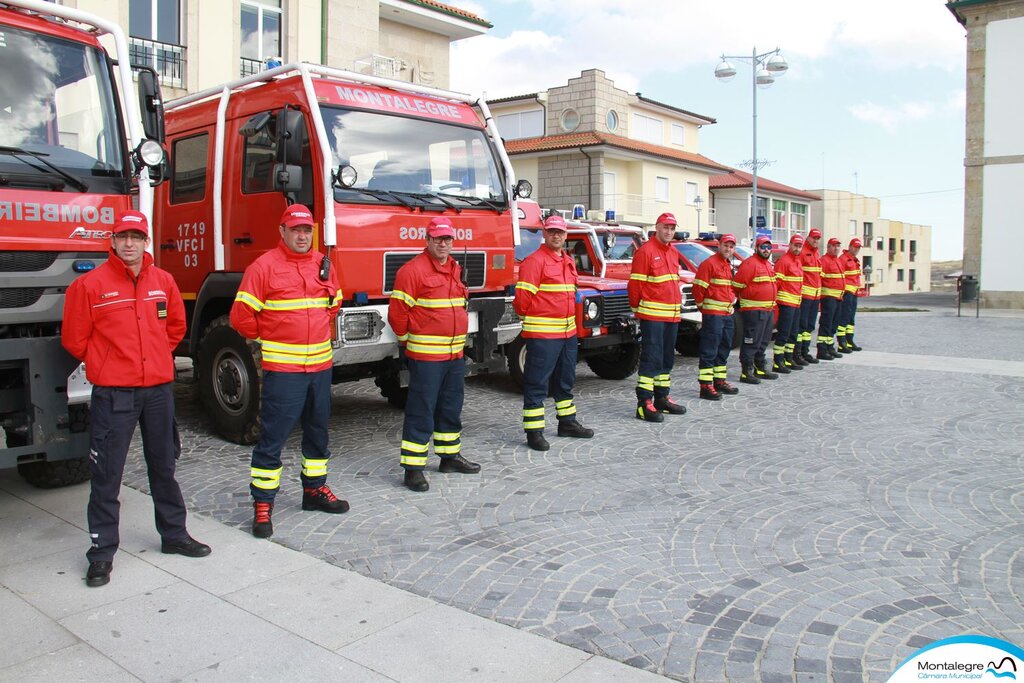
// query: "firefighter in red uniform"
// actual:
[[546, 301], [810, 294], [713, 292], [754, 283], [789, 276], [655, 297], [427, 312], [848, 310], [124, 319], [833, 284], [285, 305]]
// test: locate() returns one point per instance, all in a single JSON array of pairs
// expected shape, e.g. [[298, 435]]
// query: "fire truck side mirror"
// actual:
[[287, 178], [151, 105], [293, 135]]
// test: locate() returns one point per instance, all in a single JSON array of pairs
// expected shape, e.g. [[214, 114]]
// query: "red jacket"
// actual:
[[427, 310], [789, 276], [124, 328], [546, 295], [654, 292], [754, 283], [812, 272], [833, 282], [712, 286], [284, 305], [851, 271]]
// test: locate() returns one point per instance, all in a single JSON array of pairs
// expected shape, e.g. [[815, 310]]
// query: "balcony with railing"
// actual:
[[248, 67], [166, 59]]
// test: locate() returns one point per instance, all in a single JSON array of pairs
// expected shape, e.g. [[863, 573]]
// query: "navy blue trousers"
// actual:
[[716, 333], [757, 332], [829, 320], [114, 412], [657, 356], [848, 312], [287, 399], [550, 371], [433, 409], [808, 319], [787, 327]]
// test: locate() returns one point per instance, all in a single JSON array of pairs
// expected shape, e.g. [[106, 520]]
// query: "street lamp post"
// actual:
[[698, 202], [771, 64]]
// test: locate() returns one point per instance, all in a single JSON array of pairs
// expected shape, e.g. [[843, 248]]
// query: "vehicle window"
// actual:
[[744, 252], [696, 253], [623, 249], [188, 172], [530, 241], [260, 159]]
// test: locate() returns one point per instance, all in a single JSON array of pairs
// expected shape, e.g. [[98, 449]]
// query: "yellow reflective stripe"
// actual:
[[563, 403], [638, 276], [558, 288], [563, 412], [832, 276], [541, 324], [265, 479], [738, 285], [535, 424], [414, 447], [436, 338], [446, 436], [764, 278], [789, 278], [450, 449], [851, 273], [295, 349], [265, 474], [702, 283], [751, 303], [812, 269], [720, 372], [297, 304], [533, 412], [403, 297], [705, 374], [715, 305], [249, 300], [789, 297], [659, 313], [660, 305], [657, 279], [403, 337], [314, 468], [721, 281], [414, 460], [436, 349], [645, 382], [527, 287], [286, 359], [832, 293], [441, 303], [810, 291], [663, 381], [851, 288]]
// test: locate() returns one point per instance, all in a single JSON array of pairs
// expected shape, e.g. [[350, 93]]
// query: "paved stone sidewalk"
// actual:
[[820, 527]]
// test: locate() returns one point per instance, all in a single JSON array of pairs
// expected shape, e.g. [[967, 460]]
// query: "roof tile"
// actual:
[[738, 179], [593, 138]]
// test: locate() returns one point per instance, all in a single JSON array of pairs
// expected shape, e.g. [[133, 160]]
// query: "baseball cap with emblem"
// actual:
[[728, 237], [833, 240], [555, 222], [855, 242], [132, 220], [440, 227], [814, 233], [295, 215], [666, 219], [764, 239], [796, 239]]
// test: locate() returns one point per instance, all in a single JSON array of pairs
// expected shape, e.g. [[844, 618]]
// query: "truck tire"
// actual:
[[391, 389], [619, 363], [51, 475], [515, 359], [229, 377]]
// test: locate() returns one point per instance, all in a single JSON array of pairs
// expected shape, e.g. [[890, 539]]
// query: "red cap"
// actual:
[[555, 222], [814, 233], [296, 214], [132, 220], [440, 227], [728, 237], [855, 242], [796, 239], [762, 239], [667, 219], [833, 240]]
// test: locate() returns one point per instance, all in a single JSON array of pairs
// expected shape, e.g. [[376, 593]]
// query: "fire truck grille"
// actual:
[[616, 307], [474, 263], [26, 261], [689, 303], [20, 297]]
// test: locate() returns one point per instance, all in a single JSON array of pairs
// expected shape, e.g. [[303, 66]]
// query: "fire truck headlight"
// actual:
[[149, 153], [346, 176], [361, 327], [592, 309]]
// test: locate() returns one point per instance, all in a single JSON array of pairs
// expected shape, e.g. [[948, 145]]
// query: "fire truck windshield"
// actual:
[[397, 157], [530, 240], [56, 105]]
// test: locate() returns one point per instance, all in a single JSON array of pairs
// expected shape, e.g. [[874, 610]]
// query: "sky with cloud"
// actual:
[[873, 101]]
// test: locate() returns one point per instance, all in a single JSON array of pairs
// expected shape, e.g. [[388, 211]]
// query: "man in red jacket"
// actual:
[[124, 319], [427, 312], [754, 283], [713, 292], [546, 301], [655, 297], [286, 306], [810, 299], [848, 309], [789, 276], [833, 284]]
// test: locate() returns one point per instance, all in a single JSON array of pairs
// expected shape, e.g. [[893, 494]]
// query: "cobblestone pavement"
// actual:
[[820, 527]]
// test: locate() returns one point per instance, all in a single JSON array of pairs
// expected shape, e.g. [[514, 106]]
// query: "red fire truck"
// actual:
[[71, 150], [374, 160]]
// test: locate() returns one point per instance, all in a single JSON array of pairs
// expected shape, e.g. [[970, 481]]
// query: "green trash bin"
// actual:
[[968, 288]]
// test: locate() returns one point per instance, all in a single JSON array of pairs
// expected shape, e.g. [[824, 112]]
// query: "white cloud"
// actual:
[[891, 117]]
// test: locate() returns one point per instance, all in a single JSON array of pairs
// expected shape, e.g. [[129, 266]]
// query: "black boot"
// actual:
[[723, 387], [323, 499], [823, 353], [536, 441], [708, 392], [748, 375], [646, 411], [98, 574], [794, 362], [262, 525], [574, 429], [779, 364], [832, 350], [667, 405], [852, 346], [415, 480], [842, 346], [805, 353], [458, 464], [762, 371]]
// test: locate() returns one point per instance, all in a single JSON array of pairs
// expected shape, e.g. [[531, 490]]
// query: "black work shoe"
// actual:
[[723, 387], [647, 412], [748, 375], [708, 392], [794, 362], [835, 354], [458, 464], [188, 546], [667, 405], [763, 372], [415, 480], [262, 526], [536, 441], [823, 353], [809, 359], [842, 347], [98, 574], [323, 499], [574, 429], [780, 368], [850, 344]]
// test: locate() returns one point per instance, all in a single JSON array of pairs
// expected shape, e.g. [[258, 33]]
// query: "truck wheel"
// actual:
[[391, 389], [51, 475], [688, 344], [515, 358], [228, 369], [619, 363]]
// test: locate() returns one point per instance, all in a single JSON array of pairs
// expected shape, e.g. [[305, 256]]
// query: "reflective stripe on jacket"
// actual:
[[546, 295], [789, 276], [653, 287], [851, 271], [811, 261], [124, 328], [712, 286], [284, 305], [754, 283], [833, 282], [427, 310]]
